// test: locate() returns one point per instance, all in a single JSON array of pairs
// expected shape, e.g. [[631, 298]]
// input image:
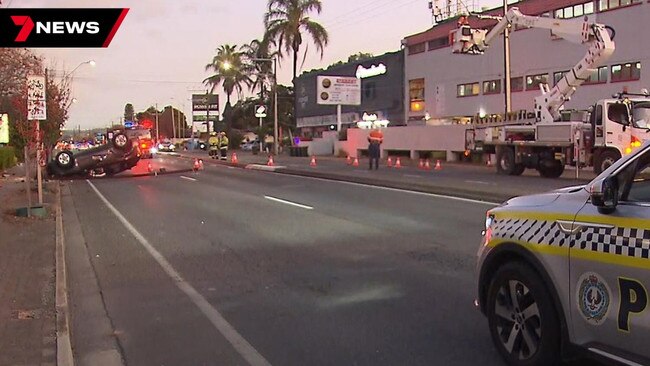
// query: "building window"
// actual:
[[574, 11], [517, 84], [492, 87], [598, 77], [557, 76], [626, 72], [438, 43], [468, 90], [369, 90], [416, 95], [613, 4], [417, 48], [533, 81]]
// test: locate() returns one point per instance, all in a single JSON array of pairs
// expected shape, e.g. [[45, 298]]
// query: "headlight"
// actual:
[[160, 146], [153, 150], [489, 218], [172, 147]]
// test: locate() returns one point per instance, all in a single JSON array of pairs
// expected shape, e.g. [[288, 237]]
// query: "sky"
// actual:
[[159, 54]]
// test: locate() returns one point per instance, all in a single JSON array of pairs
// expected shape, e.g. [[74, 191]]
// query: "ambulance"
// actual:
[[566, 274]]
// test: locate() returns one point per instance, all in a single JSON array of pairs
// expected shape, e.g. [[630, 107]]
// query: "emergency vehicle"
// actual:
[[566, 273], [550, 138]]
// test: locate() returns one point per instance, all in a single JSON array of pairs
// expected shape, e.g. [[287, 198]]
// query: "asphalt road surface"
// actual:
[[236, 267]]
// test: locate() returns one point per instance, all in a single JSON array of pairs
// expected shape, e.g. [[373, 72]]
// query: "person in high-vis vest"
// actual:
[[375, 139], [213, 143], [223, 145]]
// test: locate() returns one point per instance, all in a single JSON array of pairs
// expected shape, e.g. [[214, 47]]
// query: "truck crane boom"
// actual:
[[468, 40]]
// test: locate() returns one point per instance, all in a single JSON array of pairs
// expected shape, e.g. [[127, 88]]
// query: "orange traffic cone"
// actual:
[[398, 163], [438, 166], [233, 159], [313, 161], [356, 162], [149, 168], [197, 165], [348, 160], [427, 165], [421, 164], [270, 162], [389, 162]]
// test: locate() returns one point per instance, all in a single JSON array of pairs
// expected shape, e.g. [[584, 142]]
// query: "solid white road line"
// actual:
[[478, 182], [288, 203], [188, 178], [238, 342], [468, 200]]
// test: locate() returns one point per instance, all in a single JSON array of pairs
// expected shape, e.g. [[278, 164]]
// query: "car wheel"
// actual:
[[64, 160], [505, 161], [522, 320], [121, 141]]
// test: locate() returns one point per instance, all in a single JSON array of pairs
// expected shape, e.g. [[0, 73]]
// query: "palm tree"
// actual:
[[229, 71], [258, 71], [287, 20]]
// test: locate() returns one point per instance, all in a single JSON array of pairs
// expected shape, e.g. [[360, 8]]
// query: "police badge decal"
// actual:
[[593, 298]]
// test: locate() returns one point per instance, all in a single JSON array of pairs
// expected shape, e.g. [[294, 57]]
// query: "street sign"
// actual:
[[4, 128], [36, 109], [205, 107], [260, 111], [338, 90]]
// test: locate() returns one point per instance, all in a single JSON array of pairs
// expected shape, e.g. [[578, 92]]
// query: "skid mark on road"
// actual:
[[238, 342]]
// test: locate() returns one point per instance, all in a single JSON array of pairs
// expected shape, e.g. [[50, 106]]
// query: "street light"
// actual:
[[275, 102], [89, 62]]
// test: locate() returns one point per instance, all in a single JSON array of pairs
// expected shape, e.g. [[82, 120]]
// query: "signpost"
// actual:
[[260, 112], [4, 128], [338, 91], [36, 110], [205, 109]]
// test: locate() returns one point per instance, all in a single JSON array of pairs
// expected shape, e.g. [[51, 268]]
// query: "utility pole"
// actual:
[[506, 55], [157, 129], [173, 122]]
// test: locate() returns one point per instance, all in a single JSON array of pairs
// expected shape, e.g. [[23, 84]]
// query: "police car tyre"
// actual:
[[506, 161], [605, 160], [522, 319], [64, 160], [121, 141]]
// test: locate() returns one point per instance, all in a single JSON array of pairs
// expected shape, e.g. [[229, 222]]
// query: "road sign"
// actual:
[[36, 98], [338, 90], [4, 128], [260, 111]]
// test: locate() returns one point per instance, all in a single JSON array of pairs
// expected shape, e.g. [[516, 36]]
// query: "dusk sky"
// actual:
[[159, 53]]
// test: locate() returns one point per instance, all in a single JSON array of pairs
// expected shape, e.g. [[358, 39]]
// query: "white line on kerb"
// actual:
[[188, 178], [238, 342], [288, 203]]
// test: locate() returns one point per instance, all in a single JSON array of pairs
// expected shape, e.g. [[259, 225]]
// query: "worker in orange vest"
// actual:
[[375, 139]]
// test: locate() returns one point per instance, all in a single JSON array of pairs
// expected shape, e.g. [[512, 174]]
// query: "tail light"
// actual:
[[143, 145]]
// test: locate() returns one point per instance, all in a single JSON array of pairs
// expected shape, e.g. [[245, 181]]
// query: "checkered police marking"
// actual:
[[630, 242]]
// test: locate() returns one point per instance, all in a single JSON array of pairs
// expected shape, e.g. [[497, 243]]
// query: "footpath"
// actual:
[[28, 332], [456, 179]]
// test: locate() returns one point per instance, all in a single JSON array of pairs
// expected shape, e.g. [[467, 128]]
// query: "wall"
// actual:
[[449, 139], [533, 52]]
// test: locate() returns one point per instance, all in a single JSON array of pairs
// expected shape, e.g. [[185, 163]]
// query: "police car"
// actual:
[[566, 273]]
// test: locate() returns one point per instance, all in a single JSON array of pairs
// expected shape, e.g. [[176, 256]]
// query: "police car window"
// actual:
[[639, 187]]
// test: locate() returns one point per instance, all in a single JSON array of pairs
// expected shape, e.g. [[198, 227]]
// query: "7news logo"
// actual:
[[59, 27]]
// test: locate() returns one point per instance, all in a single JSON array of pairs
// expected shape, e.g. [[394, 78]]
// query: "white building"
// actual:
[[449, 87]]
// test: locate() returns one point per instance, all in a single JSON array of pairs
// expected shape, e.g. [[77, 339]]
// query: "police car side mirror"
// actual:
[[604, 194]]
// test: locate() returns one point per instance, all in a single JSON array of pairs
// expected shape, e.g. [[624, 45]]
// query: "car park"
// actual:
[[566, 273], [120, 154]]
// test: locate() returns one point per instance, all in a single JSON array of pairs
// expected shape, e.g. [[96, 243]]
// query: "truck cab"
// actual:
[[618, 126]]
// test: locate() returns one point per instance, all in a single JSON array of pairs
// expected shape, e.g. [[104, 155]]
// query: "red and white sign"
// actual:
[[36, 98]]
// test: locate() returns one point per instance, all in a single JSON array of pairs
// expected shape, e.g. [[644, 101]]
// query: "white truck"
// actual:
[[550, 138]]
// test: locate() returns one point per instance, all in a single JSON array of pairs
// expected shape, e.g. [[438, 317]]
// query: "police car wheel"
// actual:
[[522, 320]]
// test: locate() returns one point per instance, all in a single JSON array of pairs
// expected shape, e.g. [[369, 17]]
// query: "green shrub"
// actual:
[[7, 157]]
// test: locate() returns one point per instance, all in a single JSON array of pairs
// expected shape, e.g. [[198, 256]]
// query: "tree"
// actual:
[[361, 56], [259, 72], [229, 71], [128, 112], [288, 20]]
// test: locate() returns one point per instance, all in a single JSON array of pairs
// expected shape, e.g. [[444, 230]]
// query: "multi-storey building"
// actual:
[[444, 87]]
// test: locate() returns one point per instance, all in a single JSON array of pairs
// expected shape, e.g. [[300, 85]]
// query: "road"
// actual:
[[236, 267]]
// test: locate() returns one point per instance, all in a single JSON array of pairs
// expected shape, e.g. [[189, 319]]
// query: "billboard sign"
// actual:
[[4, 128], [338, 90], [204, 105]]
